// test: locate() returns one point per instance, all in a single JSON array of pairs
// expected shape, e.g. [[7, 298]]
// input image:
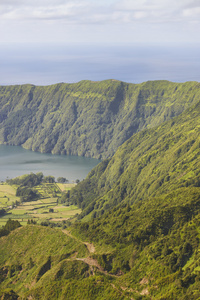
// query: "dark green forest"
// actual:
[[139, 231]]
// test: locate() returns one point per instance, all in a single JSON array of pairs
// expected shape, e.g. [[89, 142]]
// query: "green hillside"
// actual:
[[151, 164], [138, 236], [43, 263], [88, 118], [145, 208]]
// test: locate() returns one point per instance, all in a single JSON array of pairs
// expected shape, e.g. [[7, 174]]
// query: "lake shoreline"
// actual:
[[16, 161]]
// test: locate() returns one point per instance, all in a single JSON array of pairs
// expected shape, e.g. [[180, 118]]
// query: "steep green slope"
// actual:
[[146, 204], [152, 163], [43, 263], [130, 262], [153, 249], [88, 118]]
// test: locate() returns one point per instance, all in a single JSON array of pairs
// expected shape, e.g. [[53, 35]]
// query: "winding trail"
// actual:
[[89, 246], [91, 262], [88, 260]]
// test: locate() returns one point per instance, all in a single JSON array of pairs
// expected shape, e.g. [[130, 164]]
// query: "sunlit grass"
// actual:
[[49, 200], [65, 208], [39, 210], [7, 189], [18, 211], [66, 186]]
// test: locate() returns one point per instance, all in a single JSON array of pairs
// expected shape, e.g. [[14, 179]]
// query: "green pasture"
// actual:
[[65, 186], [47, 190], [7, 195], [18, 212], [23, 222], [7, 189], [65, 208], [39, 210], [59, 211], [49, 200], [23, 212]]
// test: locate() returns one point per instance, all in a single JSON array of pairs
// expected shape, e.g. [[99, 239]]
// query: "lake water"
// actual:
[[16, 161]]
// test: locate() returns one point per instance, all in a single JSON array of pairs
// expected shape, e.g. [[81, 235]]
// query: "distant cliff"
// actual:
[[88, 118]]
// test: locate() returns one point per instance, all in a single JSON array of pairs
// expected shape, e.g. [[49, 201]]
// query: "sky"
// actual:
[[46, 41]]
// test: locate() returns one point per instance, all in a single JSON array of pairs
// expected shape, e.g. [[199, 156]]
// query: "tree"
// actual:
[[49, 179], [2, 212], [40, 176], [29, 180], [26, 194], [10, 225], [62, 180]]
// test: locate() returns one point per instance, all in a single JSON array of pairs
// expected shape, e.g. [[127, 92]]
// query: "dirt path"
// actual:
[[94, 263], [89, 246], [88, 260], [91, 262]]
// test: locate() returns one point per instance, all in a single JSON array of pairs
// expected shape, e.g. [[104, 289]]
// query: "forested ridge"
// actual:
[[140, 207], [88, 118], [143, 206], [154, 162]]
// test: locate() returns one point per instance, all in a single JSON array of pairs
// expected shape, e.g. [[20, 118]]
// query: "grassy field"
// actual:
[[7, 195], [44, 209], [65, 186]]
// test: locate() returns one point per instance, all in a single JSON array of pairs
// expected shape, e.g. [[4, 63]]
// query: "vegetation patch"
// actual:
[[36, 199], [138, 233], [88, 118]]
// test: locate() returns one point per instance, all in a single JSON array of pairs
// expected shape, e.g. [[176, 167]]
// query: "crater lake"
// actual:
[[16, 161]]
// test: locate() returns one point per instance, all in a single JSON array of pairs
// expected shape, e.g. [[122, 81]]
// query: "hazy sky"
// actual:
[[42, 24], [99, 21]]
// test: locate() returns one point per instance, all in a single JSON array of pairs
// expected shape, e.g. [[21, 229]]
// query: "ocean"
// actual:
[[46, 64]]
